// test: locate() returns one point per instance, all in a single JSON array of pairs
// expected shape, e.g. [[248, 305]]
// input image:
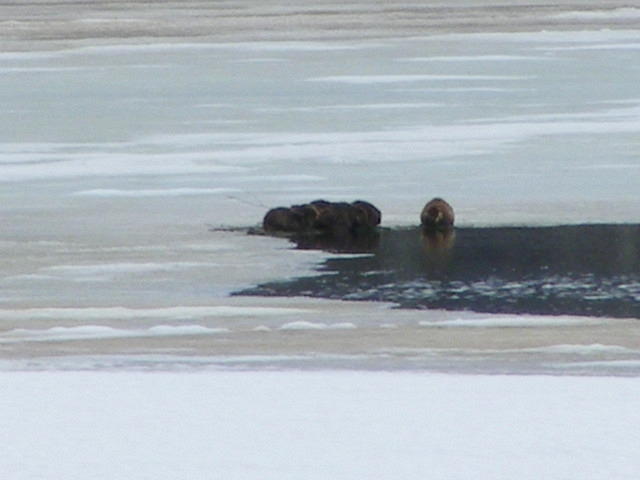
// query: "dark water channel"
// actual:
[[575, 270]]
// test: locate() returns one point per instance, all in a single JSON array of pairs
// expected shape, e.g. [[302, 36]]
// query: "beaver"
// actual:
[[322, 217], [325, 215], [335, 217], [283, 219], [437, 214], [306, 215], [368, 215]]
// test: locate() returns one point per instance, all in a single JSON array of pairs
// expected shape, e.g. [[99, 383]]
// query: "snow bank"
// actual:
[[325, 425], [102, 332]]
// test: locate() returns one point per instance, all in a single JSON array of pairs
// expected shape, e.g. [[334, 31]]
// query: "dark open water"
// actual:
[[575, 270]]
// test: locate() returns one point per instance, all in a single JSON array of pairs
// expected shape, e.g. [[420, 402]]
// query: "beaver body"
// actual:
[[322, 217], [284, 220], [368, 215]]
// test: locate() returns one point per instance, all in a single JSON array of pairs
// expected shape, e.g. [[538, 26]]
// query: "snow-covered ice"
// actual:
[[507, 321], [138, 142], [291, 425], [302, 325], [102, 332]]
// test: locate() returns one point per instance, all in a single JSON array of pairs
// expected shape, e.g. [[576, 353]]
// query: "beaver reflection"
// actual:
[[365, 241], [437, 246]]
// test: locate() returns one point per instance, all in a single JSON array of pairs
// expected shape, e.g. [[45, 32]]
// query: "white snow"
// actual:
[[324, 425], [124, 313], [506, 321], [304, 325], [609, 365], [31, 167], [612, 13], [342, 325], [32, 70], [596, 46], [158, 192], [580, 349], [374, 79], [120, 268], [183, 330], [512, 127], [86, 332], [475, 58]]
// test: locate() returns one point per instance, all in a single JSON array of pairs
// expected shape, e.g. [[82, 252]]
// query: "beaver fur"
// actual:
[[437, 214], [322, 217]]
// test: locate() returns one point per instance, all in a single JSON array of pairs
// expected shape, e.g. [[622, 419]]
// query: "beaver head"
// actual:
[[437, 213], [368, 215], [307, 216], [325, 215]]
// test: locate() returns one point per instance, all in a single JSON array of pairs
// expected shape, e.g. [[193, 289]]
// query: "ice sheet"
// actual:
[[140, 214], [292, 425], [610, 14], [497, 321]]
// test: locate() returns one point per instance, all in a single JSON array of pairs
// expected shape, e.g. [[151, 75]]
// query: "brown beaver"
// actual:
[[322, 217], [326, 215], [368, 215], [284, 220], [437, 214]]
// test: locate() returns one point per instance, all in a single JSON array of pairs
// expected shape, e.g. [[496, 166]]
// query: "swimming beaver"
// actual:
[[437, 214]]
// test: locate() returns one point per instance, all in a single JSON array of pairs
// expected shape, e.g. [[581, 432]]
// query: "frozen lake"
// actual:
[[139, 141], [131, 170]]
